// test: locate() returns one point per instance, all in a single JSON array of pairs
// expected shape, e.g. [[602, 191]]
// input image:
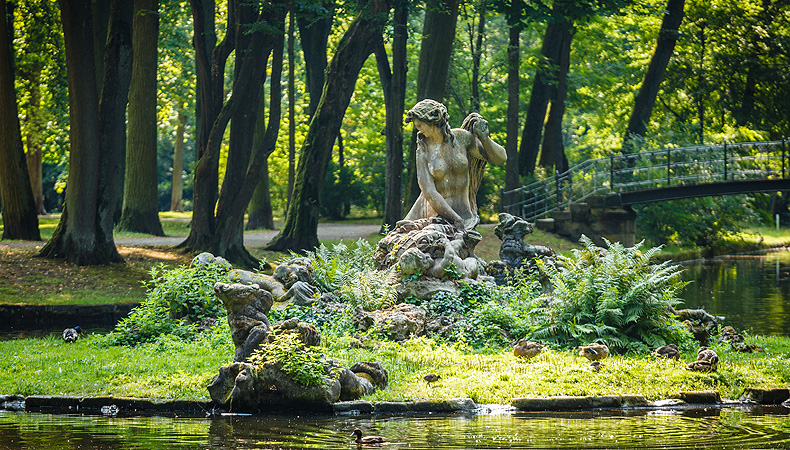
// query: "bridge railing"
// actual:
[[649, 170]]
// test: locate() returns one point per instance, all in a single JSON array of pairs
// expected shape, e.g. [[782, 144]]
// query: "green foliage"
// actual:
[[693, 222], [615, 295], [333, 267], [177, 301], [330, 318], [286, 350]]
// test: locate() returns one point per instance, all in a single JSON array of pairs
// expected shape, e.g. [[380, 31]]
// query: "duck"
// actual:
[[72, 334], [747, 348], [527, 349], [367, 440], [701, 366], [667, 351], [431, 378], [706, 354], [596, 366], [594, 351]]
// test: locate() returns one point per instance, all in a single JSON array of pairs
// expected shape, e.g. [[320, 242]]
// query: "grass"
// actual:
[[171, 368]]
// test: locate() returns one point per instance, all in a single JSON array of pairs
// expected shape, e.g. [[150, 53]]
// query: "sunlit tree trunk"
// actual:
[[140, 198], [176, 195], [511, 142]]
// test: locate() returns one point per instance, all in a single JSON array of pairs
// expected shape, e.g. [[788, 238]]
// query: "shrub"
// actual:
[[615, 295], [333, 267], [177, 300], [285, 350]]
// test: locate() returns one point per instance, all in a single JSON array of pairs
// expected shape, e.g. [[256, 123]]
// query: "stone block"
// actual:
[[392, 407], [559, 216], [699, 397], [545, 224], [560, 403], [766, 396], [358, 406]]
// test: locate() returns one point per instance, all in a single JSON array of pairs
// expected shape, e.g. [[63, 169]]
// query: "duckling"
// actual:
[[527, 349], [594, 351], [431, 378], [706, 354], [72, 334], [701, 366], [667, 351], [596, 366], [367, 440]]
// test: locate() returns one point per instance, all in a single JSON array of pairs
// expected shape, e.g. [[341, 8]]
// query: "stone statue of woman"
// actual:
[[450, 164]]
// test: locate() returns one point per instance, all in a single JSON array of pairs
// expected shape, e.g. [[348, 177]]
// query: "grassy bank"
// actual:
[[177, 369]]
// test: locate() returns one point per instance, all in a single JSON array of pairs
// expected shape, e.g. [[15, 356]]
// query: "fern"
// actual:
[[614, 295]]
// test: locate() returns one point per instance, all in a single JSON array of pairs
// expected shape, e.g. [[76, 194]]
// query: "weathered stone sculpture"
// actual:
[[434, 244], [247, 307], [514, 251]]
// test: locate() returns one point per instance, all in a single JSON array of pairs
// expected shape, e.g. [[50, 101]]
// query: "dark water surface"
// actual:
[[719, 429], [752, 292]]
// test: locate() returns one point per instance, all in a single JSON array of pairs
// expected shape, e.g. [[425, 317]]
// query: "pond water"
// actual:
[[720, 429], [752, 292]]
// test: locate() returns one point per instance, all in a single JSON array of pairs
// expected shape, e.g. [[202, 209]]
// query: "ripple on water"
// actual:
[[725, 429]]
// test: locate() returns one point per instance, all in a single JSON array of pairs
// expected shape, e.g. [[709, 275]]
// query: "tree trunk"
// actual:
[[84, 234], [36, 125], [436, 48], [511, 142], [260, 207], [553, 150], [20, 220], [140, 198], [363, 35], [314, 30], [291, 109], [477, 52], [545, 77], [394, 87], [176, 195], [656, 69]]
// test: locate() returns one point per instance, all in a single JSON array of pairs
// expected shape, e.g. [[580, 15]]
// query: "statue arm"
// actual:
[[487, 149], [431, 194]]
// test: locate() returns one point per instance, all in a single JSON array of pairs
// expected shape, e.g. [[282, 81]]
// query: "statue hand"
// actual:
[[480, 128]]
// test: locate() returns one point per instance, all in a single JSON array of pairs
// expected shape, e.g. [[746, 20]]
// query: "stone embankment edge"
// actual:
[[110, 405]]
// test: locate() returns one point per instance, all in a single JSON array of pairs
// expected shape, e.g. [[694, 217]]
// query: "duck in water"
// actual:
[[367, 440]]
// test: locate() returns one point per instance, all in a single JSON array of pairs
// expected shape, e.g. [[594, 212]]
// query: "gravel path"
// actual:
[[326, 231]]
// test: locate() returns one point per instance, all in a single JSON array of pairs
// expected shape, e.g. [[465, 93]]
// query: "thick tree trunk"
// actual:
[[84, 234], [363, 35], [656, 69], [176, 195], [140, 198], [553, 150], [20, 220], [436, 49], [314, 30], [545, 77], [259, 210], [394, 87], [511, 142]]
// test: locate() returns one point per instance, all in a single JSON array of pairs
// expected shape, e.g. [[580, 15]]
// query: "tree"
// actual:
[[20, 219], [436, 48], [140, 205], [84, 233], [646, 97], [552, 152], [253, 31], [545, 78], [358, 42], [393, 83], [315, 25], [264, 144]]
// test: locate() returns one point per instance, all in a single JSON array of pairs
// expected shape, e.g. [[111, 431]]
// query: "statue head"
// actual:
[[433, 113]]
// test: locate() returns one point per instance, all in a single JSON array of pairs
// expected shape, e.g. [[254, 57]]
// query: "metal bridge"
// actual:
[[668, 174]]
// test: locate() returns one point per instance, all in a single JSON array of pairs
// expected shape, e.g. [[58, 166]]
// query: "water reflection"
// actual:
[[657, 429], [752, 292]]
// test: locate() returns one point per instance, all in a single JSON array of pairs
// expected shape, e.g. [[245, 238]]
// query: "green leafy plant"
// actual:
[[176, 302], [614, 295], [285, 350], [370, 288], [333, 267]]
